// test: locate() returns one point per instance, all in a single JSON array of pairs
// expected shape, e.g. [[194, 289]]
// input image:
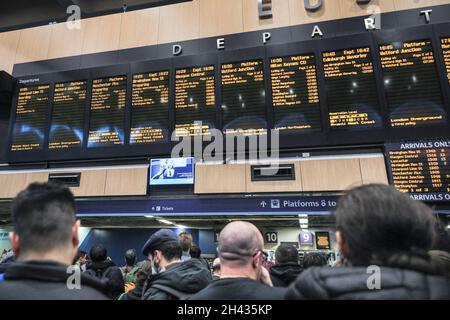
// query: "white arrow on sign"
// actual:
[[263, 204]]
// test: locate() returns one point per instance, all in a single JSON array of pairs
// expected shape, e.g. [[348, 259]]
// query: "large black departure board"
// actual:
[[411, 84], [195, 101], [243, 98], [295, 94], [351, 89], [150, 106], [445, 45], [421, 168], [31, 118], [108, 111], [67, 126]]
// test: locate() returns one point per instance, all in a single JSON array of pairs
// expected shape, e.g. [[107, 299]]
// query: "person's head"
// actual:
[[286, 253], [241, 250], [44, 222], [98, 253], [143, 272], [162, 249], [376, 221], [80, 258], [195, 251], [216, 267], [314, 259], [185, 241], [130, 257]]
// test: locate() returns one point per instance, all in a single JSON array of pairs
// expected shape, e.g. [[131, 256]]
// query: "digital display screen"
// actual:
[[323, 241], [445, 45], [149, 108], [351, 89], [31, 118], [411, 84], [295, 94], [108, 111], [173, 171], [243, 98], [67, 128], [195, 101], [421, 169]]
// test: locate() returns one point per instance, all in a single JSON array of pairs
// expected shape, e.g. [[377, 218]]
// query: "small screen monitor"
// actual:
[[172, 171]]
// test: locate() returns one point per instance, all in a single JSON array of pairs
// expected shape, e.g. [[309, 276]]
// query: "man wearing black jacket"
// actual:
[[45, 241], [172, 279], [286, 267]]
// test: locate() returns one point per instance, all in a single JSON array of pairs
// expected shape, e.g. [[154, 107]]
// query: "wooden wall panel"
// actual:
[[349, 8], [220, 17], [102, 33], [409, 4], [280, 10], [330, 175], [9, 42], [65, 42], [11, 184], [139, 28], [228, 178], [126, 182], [298, 15], [179, 22], [36, 177], [33, 44], [92, 183], [275, 186], [373, 170]]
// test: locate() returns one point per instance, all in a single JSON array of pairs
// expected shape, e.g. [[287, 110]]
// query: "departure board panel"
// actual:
[[69, 101], [107, 111], [445, 45], [150, 107], [31, 118], [295, 94], [421, 169], [411, 84], [351, 89], [195, 101], [243, 98]]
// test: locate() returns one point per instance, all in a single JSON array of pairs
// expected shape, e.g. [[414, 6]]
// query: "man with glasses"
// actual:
[[243, 276]]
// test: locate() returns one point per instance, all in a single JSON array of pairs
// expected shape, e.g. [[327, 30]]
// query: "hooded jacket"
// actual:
[[46, 280], [109, 273], [187, 277], [283, 275]]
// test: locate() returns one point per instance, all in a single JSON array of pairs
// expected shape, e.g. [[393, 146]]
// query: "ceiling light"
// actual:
[[165, 221], [149, 216], [303, 221]]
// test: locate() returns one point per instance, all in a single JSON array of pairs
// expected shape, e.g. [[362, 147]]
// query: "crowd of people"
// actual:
[[391, 247]]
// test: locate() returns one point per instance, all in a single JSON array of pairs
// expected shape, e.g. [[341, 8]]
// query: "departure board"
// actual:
[[31, 118], [243, 98], [150, 107], [69, 101], [411, 84], [295, 94], [421, 169], [445, 45], [195, 101], [107, 111], [351, 89]]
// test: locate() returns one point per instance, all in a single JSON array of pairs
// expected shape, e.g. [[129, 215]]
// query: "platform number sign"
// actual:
[[271, 237]]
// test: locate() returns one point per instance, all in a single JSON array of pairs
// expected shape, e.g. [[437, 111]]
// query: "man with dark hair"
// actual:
[[314, 259], [243, 276], [186, 244], [196, 253], [385, 237], [286, 267], [45, 242], [130, 268], [106, 271], [171, 279]]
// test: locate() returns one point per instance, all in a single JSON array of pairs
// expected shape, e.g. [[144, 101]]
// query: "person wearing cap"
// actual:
[[242, 275], [171, 279]]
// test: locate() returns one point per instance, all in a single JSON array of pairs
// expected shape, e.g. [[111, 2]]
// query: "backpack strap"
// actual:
[[180, 295]]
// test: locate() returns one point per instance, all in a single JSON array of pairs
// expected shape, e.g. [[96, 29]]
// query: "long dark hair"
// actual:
[[383, 226]]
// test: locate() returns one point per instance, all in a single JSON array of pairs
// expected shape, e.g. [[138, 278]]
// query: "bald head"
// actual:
[[239, 241]]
